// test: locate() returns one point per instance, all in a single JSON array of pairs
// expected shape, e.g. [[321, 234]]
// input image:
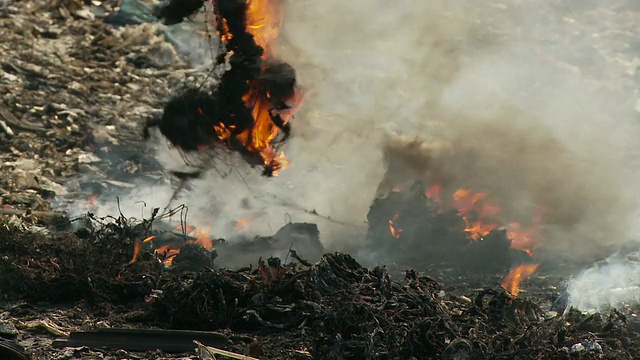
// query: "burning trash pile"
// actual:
[[283, 309], [249, 108], [120, 287], [427, 225]]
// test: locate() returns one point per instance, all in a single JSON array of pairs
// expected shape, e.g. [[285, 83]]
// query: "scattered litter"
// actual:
[[46, 325]]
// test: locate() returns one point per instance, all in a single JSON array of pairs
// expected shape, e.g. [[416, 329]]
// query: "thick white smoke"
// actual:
[[541, 92]]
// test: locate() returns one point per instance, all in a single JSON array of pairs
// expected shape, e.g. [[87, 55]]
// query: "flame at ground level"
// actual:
[[479, 214], [167, 252], [511, 283]]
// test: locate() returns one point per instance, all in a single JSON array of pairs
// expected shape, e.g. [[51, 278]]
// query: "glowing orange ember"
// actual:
[[395, 230], [511, 283]]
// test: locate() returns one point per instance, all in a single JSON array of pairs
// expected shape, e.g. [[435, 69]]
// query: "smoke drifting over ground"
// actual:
[[613, 283], [512, 100], [526, 101]]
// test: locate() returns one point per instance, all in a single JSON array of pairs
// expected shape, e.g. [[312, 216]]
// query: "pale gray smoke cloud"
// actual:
[[613, 283], [531, 101]]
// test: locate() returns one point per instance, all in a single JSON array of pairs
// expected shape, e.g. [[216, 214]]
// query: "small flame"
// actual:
[[242, 225], [478, 229], [201, 233], [511, 283], [137, 247], [475, 204], [168, 252], [523, 239], [395, 230], [92, 203], [526, 239], [433, 193], [92, 199]]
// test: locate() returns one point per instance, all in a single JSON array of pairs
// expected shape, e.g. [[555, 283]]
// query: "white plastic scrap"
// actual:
[[586, 345]]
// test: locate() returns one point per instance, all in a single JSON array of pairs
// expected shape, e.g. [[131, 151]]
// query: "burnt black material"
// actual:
[[191, 118], [432, 235], [175, 11], [184, 121]]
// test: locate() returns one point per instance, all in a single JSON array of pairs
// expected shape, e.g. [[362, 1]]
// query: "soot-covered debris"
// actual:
[[242, 111], [334, 309], [423, 233]]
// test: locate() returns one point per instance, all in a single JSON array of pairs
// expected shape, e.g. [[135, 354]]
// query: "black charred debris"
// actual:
[[333, 309], [432, 236], [189, 118]]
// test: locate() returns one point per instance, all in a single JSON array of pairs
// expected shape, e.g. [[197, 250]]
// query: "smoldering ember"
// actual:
[[462, 251]]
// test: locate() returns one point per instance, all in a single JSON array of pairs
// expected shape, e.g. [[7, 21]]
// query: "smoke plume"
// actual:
[[519, 100], [498, 98]]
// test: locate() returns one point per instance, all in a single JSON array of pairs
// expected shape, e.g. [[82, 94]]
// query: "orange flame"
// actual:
[[395, 230], [200, 233], [479, 214], [511, 283], [434, 193], [91, 204], [168, 252], [137, 247], [475, 204], [478, 229], [523, 239], [242, 225], [264, 19], [526, 239]]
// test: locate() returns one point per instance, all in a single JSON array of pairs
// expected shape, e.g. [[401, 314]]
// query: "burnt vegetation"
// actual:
[[333, 309]]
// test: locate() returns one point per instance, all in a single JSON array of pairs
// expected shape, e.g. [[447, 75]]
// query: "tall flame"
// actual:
[[264, 19]]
